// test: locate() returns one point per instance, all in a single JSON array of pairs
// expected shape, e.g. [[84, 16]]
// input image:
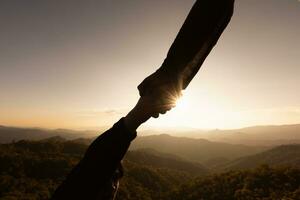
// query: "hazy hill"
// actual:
[[54, 139], [199, 150], [156, 159], [257, 135], [33, 169], [9, 134], [281, 155], [262, 183], [254, 136], [57, 146]]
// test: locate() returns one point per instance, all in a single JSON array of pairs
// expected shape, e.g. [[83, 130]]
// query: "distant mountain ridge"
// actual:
[[33, 170], [284, 155], [256, 135], [272, 135], [153, 158], [199, 150], [9, 134]]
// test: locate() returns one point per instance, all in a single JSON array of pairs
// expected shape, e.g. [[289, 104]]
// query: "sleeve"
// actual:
[[98, 165], [198, 35]]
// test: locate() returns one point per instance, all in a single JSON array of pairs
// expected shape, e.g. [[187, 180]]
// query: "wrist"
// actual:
[[134, 119]]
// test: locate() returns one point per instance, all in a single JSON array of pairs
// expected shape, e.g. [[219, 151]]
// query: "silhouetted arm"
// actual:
[[91, 176], [197, 37]]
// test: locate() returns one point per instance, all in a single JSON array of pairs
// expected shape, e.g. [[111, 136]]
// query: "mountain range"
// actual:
[[33, 169], [199, 150], [9, 134], [284, 155], [251, 136], [255, 135]]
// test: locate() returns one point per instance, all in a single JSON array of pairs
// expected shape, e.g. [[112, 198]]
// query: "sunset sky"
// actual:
[[76, 64]]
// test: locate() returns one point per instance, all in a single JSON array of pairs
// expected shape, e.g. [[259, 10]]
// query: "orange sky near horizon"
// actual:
[[78, 65]]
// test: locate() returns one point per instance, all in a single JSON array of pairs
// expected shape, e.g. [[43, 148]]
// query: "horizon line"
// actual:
[[146, 128]]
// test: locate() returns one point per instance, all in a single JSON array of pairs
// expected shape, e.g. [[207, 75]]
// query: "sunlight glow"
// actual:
[[182, 103], [194, 111]]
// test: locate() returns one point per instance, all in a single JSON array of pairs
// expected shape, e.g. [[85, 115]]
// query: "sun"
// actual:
[[195, 110], [182, 103]]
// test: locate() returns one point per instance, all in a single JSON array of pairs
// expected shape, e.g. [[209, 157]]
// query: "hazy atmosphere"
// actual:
[[90, 107], [76, 64]]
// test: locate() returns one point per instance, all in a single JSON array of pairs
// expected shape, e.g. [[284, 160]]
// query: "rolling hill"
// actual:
[[33, 169], [198, 150], [9, 134], [256, 135], [251, 136], [150, 157], [285, 155]]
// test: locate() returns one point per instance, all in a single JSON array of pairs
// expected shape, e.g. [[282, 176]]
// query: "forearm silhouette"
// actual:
[[199, 34], [97, 174]]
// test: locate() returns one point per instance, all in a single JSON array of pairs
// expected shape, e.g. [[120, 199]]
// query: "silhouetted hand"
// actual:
[[151, 105], [161, 79]]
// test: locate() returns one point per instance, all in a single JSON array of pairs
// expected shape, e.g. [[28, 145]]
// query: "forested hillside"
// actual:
[[32, 170], [199, 150], [250, 136], [288, 155], [263, 183], [153, 158]]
